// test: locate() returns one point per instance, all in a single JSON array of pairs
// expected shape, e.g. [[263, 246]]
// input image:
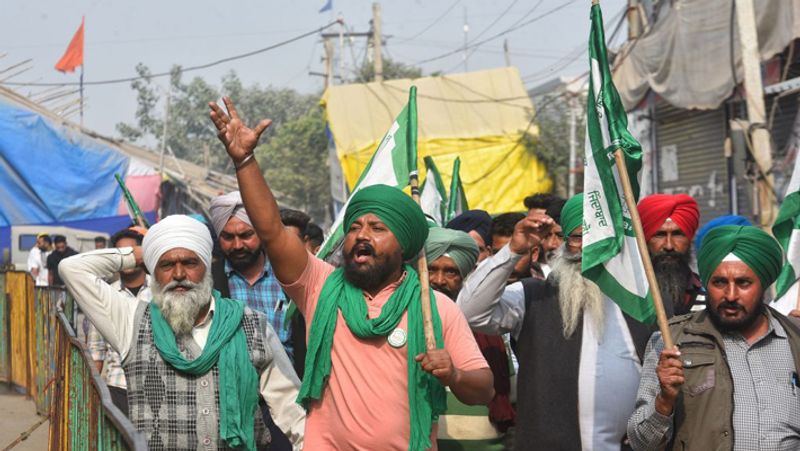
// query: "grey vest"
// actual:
[[177, 411]]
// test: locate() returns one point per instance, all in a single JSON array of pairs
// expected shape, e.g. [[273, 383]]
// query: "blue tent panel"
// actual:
[[51, 174]]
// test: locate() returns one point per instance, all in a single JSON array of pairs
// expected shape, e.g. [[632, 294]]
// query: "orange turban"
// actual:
[[681, 208]]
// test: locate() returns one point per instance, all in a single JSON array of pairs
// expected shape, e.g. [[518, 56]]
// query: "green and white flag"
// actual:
[[787, 230], [457, 203], [391, 165], [433, 196], [610, 256]]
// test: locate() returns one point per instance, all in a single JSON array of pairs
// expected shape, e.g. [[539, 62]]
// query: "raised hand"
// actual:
[[529, 232], [239, 140]]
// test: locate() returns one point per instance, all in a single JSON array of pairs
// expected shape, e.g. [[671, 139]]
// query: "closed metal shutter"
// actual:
[[690, 157]]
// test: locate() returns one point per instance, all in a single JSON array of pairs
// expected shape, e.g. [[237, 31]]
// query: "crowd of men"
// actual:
[[262, 344]]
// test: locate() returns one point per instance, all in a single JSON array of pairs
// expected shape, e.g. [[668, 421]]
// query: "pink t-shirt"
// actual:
[[364, 406]]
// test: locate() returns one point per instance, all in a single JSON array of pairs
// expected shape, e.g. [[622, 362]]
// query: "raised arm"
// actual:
[[490, 306], [111, 312], [285, 250]]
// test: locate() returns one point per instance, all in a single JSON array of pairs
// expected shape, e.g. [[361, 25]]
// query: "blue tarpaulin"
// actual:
[[51, 174]]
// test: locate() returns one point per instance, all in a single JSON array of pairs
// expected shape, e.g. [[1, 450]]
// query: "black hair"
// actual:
[[314, 234], [554, 210], [59, 239], [295, 218], [503, 224], [126, 233], [47, 239], [100, 239], [542, 201]]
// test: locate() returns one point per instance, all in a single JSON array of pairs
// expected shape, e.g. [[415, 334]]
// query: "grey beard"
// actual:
[[576, 294], [181, 309]]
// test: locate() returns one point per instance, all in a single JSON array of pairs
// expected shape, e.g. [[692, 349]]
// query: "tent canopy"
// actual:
[[479, 116], [686, 56]]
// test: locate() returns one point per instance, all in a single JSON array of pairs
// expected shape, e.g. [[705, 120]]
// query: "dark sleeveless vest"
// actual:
[[177, 411], [547, 383]]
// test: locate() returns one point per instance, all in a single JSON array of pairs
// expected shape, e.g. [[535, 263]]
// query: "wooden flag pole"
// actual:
[[797, 302], [424, 283], [655, 291]]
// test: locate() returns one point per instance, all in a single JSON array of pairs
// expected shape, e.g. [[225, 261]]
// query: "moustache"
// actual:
[[729, 305], [362, 249], [189, 285]]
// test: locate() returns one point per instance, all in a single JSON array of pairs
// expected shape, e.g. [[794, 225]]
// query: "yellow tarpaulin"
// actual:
[[479, 116]]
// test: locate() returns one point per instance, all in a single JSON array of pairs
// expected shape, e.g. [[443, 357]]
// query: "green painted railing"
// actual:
[[41, 355]]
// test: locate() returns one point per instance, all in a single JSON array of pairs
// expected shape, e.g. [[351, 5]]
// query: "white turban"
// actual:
[[176, 231], [225, 207]]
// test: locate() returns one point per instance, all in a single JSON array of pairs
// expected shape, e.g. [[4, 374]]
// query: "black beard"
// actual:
[[444, 290], [726, 326], [369, 277], [673, 274], [242, 259]]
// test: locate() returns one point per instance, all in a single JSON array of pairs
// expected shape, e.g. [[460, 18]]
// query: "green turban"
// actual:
[[454, 244], [753, 246], [396, 209], [572, 214]]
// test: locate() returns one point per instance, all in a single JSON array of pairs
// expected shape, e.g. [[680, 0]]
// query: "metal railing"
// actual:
[[41, 355]]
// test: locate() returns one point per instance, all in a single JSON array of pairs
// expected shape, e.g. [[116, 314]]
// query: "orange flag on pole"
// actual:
[[73, 57]]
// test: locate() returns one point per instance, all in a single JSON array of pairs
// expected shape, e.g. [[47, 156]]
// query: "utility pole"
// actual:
[[466, 33], [377, 41], [634, 24], [572, 142], [328, 60], [164, 130], [762, 148], [505, 52], [341, 50]]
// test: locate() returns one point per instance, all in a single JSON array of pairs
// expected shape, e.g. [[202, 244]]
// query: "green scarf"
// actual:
[[226, 347], [426, 396]]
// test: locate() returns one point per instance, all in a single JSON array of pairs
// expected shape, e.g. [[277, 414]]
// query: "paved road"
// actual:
[[17, 415]]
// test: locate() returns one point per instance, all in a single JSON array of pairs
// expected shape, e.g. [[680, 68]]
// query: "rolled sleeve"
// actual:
[[97, 346], [648, 429], [489, 305], [279, 387]]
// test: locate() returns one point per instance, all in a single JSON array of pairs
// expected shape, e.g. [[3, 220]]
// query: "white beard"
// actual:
[[576, 294], [181, 309]]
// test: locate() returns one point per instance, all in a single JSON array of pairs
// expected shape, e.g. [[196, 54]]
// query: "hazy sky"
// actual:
[[162, 33]]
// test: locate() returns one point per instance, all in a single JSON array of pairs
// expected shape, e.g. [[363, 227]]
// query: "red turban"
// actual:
[[681, 208]]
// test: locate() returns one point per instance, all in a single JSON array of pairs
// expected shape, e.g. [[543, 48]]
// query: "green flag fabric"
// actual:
[[457, 203], [392, 164], [787, 231], [610, 256], [433, 196]]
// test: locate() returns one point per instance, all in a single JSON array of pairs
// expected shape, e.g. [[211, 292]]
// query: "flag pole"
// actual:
[[655, 291], [422, 269], [81, 90], [422, 259]]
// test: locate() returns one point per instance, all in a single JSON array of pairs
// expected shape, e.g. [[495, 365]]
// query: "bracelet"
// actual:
[[244, 162]]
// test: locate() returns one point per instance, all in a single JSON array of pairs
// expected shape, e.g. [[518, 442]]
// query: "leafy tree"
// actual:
[[392, 70], [287, 161], [191, 135], [551, 145]]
